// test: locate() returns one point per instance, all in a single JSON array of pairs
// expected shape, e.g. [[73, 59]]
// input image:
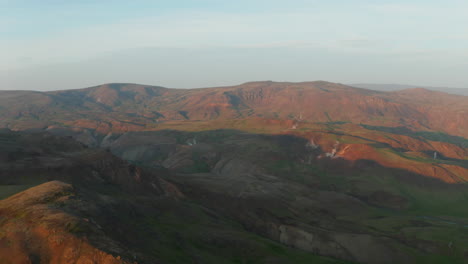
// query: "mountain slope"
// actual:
[[128, 107], [416, 123], [35, 232]]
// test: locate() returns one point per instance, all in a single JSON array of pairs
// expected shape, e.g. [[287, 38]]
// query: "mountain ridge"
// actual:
[[146, 106]]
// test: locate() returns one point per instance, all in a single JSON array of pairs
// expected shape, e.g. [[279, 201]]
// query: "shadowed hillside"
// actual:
[[66, 203]]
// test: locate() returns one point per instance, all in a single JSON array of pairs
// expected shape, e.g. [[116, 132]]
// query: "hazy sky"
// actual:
[[61, 44]]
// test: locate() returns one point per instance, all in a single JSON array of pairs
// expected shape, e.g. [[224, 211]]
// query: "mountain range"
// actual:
[[262, 172], [396, 87], [129, 107]]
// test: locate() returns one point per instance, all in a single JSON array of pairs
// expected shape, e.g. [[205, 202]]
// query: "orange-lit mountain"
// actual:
[[131, 107], [413, 124]]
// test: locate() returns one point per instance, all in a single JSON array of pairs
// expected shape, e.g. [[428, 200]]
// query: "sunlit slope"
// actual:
[[131, 107]]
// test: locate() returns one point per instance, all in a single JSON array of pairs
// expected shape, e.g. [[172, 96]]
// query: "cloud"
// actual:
[[336, 39], [184, 29]]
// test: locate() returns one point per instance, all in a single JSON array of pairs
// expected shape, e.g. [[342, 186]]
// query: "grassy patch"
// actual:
[[422, 135]]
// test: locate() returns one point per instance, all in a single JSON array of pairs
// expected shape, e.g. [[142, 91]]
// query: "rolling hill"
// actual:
[[130, 107]]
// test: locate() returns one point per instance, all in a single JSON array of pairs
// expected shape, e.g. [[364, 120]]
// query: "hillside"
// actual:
[[262, 172], [66, 203], [201, 191], [129, 107], [410, 125]]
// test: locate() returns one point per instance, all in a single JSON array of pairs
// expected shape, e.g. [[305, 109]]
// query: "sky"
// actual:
[[63, 44]]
